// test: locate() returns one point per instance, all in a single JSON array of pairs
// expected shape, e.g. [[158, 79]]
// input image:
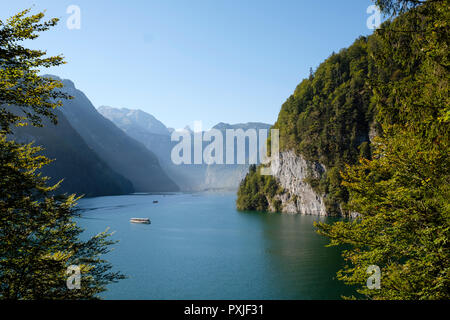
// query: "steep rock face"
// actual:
[[134, 120], [82, 170], [122, 153], [291, 171], [328, 122], [189, 177]]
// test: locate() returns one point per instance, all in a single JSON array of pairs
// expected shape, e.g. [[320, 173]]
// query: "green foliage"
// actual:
[[38, 238], [256, 191], [402, 198], [22, 90], [364, 151], [402, 193], [394, 7], [83, 170], [327, 119], [401, 184]]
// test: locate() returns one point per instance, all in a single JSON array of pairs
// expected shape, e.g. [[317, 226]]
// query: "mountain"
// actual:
[[83, 171], [134, 120], [326, 123], [244, 126], [230, 175], [190, 177], [146, 129], [122, 153]]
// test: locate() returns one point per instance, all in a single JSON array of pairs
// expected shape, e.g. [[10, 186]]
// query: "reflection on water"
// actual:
[[199, 247]]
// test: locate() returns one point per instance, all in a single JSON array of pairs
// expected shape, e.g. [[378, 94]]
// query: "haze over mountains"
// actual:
[[156, 137], [83, 171], [134, 120], [93, 156], [113, 151], [122, 153]]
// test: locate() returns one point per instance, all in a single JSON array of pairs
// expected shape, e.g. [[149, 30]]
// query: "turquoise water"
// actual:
[[200, 247]]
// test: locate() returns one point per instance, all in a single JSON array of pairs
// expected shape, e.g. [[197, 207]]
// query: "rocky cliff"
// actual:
[[80, 168], [189, 177], [292, 171], [122, 153], [325, 125]]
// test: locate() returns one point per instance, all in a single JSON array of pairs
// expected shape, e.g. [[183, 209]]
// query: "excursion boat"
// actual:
[[140, 220]]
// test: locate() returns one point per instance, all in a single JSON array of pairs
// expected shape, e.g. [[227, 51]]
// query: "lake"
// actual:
[[199, 246]]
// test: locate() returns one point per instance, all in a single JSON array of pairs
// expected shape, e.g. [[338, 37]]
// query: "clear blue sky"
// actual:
[[212, 60]]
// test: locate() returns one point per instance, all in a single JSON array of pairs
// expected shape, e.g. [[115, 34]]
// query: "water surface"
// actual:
[[199, 246]]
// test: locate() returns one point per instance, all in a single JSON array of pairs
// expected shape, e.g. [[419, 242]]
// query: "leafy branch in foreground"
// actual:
[[24, 95], [402, 194], [39, 239]]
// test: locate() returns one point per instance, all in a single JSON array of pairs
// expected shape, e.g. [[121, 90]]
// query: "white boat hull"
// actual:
[[140, 220]]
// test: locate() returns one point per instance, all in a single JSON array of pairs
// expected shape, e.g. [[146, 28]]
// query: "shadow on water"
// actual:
[[302, 265], [200, 247]]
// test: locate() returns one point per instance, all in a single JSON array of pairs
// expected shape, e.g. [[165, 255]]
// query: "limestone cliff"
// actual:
[[291, 171], [325, 125]]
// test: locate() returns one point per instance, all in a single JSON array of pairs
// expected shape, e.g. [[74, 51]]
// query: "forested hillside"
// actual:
[[327, 119], [332, 116], [397, 82]]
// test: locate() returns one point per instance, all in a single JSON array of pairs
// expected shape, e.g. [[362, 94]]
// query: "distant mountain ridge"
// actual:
[[92, 155], [83, 171], [121, 152], [128, 119], [189, 177], [243, 126]]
